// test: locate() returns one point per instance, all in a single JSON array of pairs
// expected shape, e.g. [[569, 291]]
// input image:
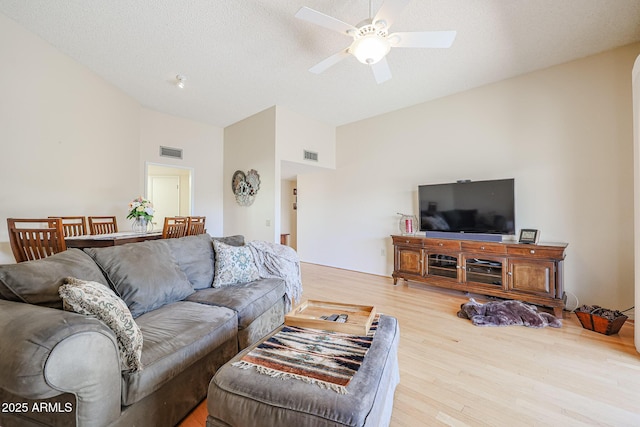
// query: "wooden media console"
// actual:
[[530, 273]]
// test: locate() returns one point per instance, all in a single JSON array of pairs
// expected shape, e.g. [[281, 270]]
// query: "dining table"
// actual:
[[110, 239]]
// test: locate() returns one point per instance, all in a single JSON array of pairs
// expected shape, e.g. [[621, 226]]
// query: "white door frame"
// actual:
[[163, 165], [635, 85]]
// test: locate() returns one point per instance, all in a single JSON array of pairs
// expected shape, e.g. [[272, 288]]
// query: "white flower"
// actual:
[[140, 207]]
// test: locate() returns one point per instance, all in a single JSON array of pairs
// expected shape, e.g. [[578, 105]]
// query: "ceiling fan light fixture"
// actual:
[[370, 48]]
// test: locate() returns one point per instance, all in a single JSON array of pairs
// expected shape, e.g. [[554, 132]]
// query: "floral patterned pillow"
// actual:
[[234, 264], [97, 300]]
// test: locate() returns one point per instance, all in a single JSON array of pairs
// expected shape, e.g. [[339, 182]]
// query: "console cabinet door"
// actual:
[[443, 265], [409, 260], [488, 271], [532, 276]]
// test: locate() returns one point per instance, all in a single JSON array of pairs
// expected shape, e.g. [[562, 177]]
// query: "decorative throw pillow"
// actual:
[[234, 264], [97, 300]]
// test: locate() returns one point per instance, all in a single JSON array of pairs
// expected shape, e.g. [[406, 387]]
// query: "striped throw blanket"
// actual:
[[328, 359]]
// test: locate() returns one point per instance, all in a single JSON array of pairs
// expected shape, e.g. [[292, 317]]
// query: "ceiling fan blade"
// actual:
[[389, 11], [323, 20], [432, 39], [381, 71], [330, 61]]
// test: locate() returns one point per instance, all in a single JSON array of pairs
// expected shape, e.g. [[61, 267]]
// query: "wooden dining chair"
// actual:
[[73, 225], [103, 224], [35, 238], [196, 225], [174, 226]]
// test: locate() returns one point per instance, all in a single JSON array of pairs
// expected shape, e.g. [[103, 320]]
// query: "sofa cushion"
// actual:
[[37, 282], [97, 300], [234, 264], [235, 240], [248, 300], [145, 275], [176, 336], [194, 255]]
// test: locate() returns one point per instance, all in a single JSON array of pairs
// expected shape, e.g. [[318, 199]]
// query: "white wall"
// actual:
[[250, 144], [66, 136], [264, 142], [296, 133], [72, 144], [202, 146], [564, 134]]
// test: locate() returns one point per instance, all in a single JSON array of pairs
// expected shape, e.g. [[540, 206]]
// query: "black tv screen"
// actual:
[[468, 207]]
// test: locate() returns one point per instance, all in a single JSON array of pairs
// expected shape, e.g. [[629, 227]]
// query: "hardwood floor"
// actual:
[[457, 374]]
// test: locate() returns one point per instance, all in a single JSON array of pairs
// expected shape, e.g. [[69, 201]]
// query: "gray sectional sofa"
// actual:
[[59, 367]]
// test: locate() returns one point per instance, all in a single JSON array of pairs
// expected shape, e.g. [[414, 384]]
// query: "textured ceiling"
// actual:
[[243, 56]]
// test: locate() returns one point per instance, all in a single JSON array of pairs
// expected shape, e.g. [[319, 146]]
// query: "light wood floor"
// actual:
[[457, 374]]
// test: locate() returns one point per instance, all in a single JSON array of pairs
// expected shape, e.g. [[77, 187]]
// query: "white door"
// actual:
[[165, 195]]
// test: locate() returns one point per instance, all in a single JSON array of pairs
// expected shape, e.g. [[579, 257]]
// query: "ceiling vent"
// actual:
[[310, 155], [174, 153]]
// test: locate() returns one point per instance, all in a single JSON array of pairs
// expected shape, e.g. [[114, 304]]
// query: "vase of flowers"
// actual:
[[141, 212]]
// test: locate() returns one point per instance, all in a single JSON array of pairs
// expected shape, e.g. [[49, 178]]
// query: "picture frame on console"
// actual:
[[529, 236]]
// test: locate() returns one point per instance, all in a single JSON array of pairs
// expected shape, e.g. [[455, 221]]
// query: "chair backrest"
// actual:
[[174, 226], [73, 225], [103, 224], [196, 225], [35, 238]]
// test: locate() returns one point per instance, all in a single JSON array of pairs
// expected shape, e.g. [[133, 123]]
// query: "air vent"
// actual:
[[310, 155], [175, 153]]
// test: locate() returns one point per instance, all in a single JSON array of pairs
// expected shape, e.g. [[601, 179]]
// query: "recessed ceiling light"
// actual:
[[180, 81]]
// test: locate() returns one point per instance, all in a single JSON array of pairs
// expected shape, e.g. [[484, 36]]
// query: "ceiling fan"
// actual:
[[371, 38]]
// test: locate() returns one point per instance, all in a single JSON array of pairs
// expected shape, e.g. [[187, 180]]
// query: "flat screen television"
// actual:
[[482, 207]]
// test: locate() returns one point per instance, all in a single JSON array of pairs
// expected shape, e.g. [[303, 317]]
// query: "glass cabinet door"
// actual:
[[442, 265], [487, 271]]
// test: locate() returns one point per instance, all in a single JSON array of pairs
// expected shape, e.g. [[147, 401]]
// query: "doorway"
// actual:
[[170, 190], [289, 213]]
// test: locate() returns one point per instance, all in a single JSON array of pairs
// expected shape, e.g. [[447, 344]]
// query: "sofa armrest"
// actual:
[[47, 352]]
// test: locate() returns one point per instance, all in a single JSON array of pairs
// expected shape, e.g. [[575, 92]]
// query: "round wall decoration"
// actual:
[[238, 177], [245, 186]]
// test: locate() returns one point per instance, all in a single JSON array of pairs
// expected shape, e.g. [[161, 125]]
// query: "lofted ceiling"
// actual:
[[243, 56]]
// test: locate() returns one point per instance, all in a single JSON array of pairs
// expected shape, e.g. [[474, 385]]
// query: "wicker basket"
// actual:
[[594, 322]]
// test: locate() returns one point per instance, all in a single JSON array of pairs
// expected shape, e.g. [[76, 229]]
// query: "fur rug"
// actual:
[[507, 313]]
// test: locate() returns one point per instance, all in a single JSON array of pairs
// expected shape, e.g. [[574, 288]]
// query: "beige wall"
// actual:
[[268, 142], [296, 133], [202, 147], [66, 136], [250, 144], [564, 134], [72, 144]]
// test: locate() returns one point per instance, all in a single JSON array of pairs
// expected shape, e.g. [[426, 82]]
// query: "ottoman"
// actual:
[[245, 398]]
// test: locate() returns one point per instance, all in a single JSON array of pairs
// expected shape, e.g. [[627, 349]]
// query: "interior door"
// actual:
[[165, 194]]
